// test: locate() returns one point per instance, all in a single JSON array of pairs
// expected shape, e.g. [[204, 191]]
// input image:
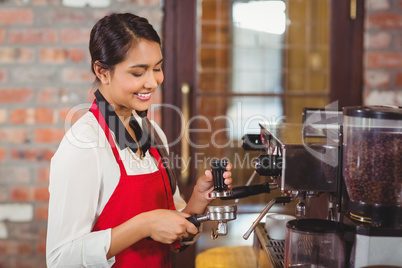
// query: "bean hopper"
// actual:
[[372, 170]]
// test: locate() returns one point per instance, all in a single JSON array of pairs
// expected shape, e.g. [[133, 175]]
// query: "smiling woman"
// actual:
[[117, 203], [129, 85]]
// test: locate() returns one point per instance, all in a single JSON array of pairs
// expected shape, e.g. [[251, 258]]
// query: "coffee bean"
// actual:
[[373, 168]]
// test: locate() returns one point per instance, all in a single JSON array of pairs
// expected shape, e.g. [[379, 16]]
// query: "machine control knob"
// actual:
[[269, 165]]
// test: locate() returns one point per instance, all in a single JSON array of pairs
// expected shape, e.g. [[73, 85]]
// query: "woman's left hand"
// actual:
[[205, 183], [199, 199]]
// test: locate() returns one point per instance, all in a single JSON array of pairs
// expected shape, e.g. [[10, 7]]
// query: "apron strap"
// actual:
[[154, 152], [101, 120]]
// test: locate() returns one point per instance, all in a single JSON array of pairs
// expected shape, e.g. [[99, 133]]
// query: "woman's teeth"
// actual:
[[143, 95]]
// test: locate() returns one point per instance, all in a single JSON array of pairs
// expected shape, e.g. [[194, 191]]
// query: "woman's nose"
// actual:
[[151, 80]]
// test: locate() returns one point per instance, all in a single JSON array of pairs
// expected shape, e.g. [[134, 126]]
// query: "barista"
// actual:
[[113, 197]]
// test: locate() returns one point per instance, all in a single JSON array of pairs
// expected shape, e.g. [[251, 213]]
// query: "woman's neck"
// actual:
[[122, 112]]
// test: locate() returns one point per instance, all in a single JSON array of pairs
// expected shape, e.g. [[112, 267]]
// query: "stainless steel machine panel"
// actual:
[[309, 163]]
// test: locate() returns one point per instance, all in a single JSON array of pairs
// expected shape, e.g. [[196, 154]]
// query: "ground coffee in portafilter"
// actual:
[[373, 168]]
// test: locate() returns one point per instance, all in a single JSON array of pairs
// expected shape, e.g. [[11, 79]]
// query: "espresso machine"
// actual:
[[344, 170]]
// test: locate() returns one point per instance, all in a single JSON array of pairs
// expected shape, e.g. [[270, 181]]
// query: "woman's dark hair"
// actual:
[[110, 41], [114, 35]]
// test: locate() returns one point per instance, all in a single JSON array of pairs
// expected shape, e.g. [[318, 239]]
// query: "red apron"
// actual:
[[133, 195]]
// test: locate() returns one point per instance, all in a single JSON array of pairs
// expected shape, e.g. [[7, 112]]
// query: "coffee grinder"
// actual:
[[372, 171]]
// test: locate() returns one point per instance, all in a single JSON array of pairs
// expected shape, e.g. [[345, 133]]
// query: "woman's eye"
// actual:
[[157, 70], [137, 74]]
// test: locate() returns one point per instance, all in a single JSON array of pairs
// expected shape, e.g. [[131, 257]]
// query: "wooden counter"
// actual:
[[227, 257]]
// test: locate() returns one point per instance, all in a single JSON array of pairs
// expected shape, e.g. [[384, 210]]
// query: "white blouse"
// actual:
[[83, 176]]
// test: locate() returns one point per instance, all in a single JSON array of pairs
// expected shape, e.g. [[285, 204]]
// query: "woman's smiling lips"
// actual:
[[143, 97]]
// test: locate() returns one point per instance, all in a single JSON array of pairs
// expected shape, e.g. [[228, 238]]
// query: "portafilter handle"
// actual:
[[245, 191], [196, 219]]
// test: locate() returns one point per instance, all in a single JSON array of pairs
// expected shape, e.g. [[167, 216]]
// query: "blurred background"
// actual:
[[249, 61]]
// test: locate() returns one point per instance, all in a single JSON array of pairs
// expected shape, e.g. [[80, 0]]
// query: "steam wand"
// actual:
[[278, 200]]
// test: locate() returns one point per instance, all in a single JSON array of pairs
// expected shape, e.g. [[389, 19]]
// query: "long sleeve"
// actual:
[[75, 186]]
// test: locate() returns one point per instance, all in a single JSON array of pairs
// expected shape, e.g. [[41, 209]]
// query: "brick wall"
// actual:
[[383, 57], [44, 72]]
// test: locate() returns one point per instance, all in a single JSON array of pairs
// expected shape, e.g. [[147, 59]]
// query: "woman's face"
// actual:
[[133, 81]]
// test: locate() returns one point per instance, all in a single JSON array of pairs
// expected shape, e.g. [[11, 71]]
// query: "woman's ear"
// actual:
[[101, 72]]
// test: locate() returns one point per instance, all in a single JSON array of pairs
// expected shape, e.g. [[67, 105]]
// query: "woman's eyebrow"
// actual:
[[145, 65], [159, 62]]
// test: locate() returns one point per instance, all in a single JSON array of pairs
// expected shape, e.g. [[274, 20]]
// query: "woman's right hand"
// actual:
[[167, 226]]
